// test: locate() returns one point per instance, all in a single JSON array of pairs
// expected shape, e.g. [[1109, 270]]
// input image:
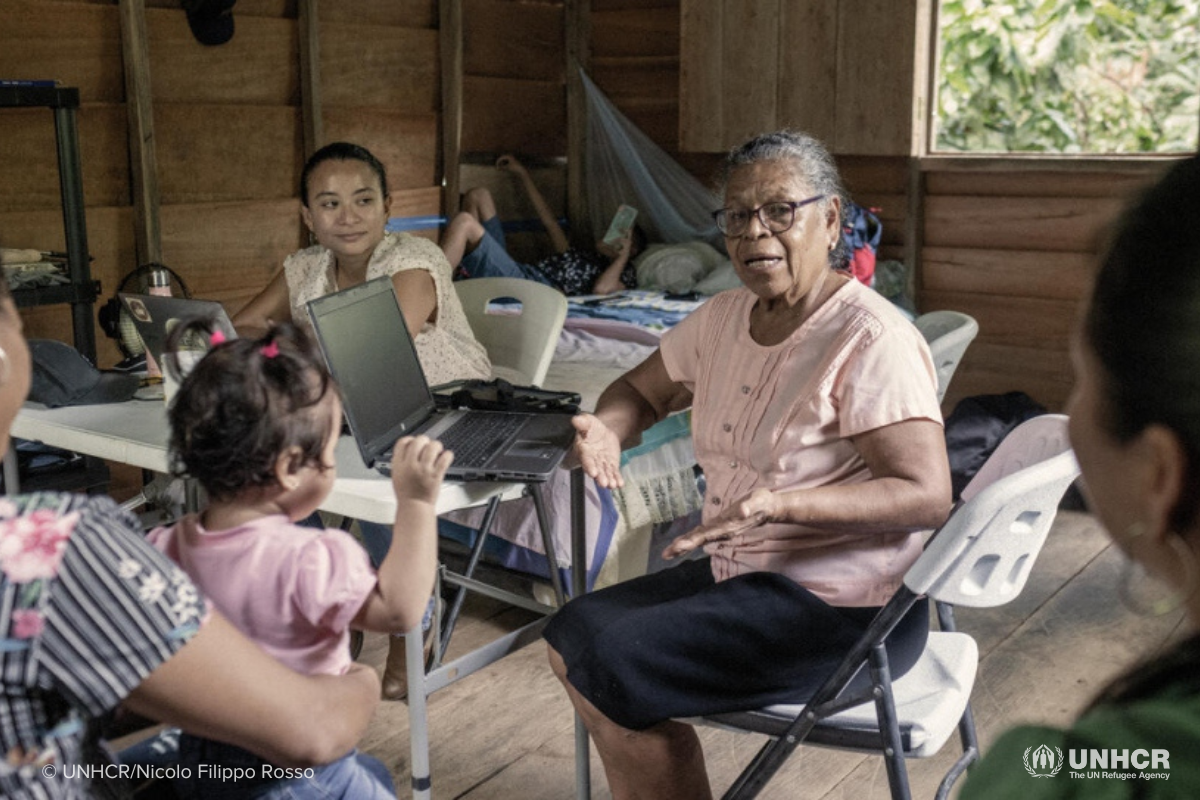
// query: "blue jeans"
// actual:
[[490, 259], [221, 771], [376, 540]]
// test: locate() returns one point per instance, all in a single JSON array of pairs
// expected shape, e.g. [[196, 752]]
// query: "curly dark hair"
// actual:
[[245, 403]]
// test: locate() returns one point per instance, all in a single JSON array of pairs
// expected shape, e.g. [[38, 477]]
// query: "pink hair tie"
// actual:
[[216, 339], [270, 350]]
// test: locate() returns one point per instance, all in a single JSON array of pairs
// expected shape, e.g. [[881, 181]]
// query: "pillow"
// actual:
[[676, 268], [722, 278]]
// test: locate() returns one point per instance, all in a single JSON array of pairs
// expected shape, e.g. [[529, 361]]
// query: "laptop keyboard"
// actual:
[[476, 438]]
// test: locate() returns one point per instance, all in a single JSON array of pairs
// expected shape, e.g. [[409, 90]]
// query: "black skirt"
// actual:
[[677, 643]]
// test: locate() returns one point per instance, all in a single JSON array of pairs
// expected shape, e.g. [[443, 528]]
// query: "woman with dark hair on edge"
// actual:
[[92, 617], [815, 418], [345, 204], [1135, 428]]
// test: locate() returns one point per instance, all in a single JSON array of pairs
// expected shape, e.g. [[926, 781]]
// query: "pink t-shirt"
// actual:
[[292, 589], [782, 417]]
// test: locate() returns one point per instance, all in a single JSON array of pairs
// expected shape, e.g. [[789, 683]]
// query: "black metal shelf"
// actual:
[[30, 296], [39, 96], [82, 292]]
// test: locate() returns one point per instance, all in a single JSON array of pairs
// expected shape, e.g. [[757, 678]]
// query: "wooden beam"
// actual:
[[914, 229], [701, 62], [450, 43], [310, 76], [142, 155], [578, 32]]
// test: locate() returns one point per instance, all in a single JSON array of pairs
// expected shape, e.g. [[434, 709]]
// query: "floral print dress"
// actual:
[[88, 609]]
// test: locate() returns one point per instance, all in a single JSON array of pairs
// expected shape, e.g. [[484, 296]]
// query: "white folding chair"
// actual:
[[520, 339], [948, 333], [980, 557]]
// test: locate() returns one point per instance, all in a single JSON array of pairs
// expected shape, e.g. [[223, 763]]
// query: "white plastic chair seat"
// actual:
[[520, 340], [930, 700], [514, 376]]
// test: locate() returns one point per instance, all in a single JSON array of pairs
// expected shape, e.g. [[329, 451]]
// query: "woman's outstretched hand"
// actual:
[[597, 450], [753, 510]]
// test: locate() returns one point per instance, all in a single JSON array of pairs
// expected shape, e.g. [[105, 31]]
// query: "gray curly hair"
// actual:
[[809, 155]]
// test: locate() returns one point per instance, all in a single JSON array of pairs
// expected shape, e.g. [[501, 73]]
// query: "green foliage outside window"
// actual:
[[1068, 76]]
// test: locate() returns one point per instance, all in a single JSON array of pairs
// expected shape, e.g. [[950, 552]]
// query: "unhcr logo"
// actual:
[[1042, 762], [1126, 765]]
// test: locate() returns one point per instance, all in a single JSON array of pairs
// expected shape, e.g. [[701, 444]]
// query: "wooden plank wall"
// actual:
[[78, 44], [514, 101], [513, 64], [845, 71], [227, 127], [1014, 245]]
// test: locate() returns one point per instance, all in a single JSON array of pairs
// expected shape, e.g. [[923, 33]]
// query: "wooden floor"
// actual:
[[507, 732]]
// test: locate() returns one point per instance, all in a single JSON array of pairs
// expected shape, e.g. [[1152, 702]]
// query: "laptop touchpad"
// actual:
[[532, 448]]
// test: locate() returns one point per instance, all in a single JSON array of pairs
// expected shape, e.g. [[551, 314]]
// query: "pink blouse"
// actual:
[[292, 590], [782, 417]]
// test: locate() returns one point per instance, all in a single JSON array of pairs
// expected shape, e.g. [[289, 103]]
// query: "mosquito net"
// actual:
[[625, 166]]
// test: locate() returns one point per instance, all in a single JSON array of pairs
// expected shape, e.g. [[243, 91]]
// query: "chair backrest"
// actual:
[[948, 334], [983, 553], [520, 340]]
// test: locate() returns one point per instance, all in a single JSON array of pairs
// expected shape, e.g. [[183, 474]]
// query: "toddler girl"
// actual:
[[255, 423]]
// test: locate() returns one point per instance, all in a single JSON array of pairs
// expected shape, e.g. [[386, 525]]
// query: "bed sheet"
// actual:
[[649, 309]]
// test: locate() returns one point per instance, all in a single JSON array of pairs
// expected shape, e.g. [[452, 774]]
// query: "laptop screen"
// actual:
[[371, 355]]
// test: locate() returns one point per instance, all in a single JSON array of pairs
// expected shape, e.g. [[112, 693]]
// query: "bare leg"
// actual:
[[664, 762], [478, 202], [465, 229], [461, 237]]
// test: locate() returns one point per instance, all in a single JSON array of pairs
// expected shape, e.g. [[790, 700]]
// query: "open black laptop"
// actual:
[[370, 353]]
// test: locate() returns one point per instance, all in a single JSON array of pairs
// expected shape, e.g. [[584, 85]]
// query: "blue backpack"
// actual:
[[861, 230]]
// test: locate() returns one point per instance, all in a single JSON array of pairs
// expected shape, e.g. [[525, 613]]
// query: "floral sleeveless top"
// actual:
[[448, 349]]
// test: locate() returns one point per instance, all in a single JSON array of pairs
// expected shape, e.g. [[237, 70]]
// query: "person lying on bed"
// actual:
[[474, 245], [815, 418], [345, 204]]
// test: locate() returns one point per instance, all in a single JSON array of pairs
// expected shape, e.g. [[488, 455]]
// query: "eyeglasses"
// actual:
[[776, 217]]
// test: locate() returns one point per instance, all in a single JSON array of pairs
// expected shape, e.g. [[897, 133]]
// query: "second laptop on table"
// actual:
[[370, 353]]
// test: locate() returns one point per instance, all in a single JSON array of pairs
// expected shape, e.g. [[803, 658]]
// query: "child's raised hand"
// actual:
[[418, 466]]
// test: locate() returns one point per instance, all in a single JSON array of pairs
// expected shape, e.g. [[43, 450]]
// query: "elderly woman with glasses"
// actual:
[[816, 421]]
